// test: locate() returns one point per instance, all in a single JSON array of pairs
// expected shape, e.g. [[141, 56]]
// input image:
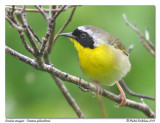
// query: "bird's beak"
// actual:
[[67, 35]]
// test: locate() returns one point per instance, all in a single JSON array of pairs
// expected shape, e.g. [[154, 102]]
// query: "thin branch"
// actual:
[[51, 39], [151, 47], [20, 31], [43, 13], [28, 48], [19, 28], [45, 10], [49, 31], [21, 57], [72, 79], [66, 23], [133, 93], [68, 97], [50, 46], [34, 34], [22, 18]]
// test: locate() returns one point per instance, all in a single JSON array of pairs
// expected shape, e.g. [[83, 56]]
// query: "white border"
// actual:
[[77, 2]]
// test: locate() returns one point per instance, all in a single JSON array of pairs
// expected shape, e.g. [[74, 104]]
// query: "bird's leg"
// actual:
[[99, 89], [122, 95]]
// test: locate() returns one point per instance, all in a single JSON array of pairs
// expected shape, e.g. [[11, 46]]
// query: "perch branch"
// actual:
[[72, 79]]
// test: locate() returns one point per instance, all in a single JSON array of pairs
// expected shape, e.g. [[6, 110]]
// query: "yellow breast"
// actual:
[[99, 64]]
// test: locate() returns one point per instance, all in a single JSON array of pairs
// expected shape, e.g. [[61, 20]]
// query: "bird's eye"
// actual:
[[83, 35]]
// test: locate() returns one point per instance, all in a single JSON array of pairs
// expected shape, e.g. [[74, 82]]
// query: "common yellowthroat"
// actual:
[[102, 56]]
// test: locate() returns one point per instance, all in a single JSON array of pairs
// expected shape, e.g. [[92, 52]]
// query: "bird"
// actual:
[[102, 57]]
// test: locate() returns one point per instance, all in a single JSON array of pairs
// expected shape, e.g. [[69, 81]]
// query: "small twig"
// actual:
[[49, 31], [68, 97], [43, 13], [141, 36], [62, 28], [75, 80], [28, 48], [36, 10], [34, 34], [19, 28], [13, 21], [132, 93], [66, 23], [27, 31], [51, 39], [146, 46]]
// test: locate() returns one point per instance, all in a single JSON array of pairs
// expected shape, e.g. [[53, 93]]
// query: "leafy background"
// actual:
[[33, 94]]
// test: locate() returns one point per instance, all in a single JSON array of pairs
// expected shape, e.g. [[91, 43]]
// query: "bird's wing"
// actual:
[[117, 44]]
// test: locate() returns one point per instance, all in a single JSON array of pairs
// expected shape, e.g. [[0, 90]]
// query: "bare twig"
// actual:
[[68, 97], [23, 20], [28, 48], [51, 39], [49, 31], [35, 10], [51, 44], [43, 13], [19, 28], [20, 31], [133, 93], [142, 38], [34, 34], [66, 23], [72, 79]]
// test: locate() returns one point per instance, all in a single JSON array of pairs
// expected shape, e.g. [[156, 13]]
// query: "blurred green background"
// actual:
[[33, 94]]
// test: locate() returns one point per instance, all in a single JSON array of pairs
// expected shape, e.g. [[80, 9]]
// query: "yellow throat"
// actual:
[[104, 64]]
